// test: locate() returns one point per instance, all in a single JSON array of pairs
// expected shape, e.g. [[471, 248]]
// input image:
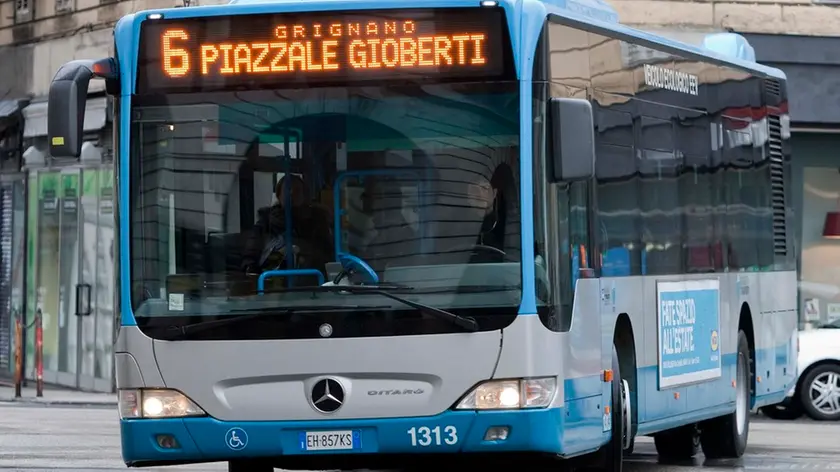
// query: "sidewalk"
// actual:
[[55, 396]]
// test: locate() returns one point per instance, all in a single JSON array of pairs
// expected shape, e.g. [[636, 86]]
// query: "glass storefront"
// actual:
[[819, 285], [817, 167], [12, 221], [70, 231]]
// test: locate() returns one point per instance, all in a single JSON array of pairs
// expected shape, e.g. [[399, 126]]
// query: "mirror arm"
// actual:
[[78, 69]]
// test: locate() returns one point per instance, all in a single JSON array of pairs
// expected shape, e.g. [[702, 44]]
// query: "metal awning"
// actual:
[[10, 107]]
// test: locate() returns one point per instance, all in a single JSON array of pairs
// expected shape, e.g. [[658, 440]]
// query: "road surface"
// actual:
[[40, 438]]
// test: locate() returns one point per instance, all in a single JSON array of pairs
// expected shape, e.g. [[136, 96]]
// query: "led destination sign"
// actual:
[[322, 47]]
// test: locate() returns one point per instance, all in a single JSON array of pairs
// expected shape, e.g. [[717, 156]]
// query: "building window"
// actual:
[[23, 10], [63, 6]]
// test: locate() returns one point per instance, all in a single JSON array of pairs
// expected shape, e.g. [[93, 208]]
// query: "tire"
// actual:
[[726, 436], [610, 458], [819, 394], [783, 412], [678, 444]]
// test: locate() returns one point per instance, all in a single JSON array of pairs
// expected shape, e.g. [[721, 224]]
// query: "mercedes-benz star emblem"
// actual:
[[325, 330], [327, 395]]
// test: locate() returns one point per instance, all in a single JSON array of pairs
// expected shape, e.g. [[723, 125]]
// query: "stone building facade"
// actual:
[[803, 39], [56, 218], [784, 17], [56, 224]]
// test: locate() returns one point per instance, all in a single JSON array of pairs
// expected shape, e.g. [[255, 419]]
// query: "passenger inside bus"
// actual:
[[392, 233], [309, 230], [414, 211]]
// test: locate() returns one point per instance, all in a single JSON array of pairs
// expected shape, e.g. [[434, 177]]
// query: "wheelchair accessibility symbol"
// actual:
[[236, 439]]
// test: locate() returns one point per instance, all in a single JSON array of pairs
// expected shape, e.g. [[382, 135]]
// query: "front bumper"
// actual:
[[789, 396], [208, 439]]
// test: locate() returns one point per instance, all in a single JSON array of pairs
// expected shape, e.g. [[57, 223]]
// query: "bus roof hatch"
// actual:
[[730, 45], [594, 9]]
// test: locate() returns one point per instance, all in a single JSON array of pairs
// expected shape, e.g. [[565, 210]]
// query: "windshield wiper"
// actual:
[[468, 324], [471, 289]]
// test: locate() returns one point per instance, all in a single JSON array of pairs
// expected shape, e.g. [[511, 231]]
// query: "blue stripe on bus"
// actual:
[[204, 438]]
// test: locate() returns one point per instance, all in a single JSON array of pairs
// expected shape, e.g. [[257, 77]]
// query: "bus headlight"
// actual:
[[510, 394], [156, 403]]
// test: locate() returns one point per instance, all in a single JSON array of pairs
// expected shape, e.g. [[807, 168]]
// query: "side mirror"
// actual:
[[83, 300], [572, 139], [67, 99]]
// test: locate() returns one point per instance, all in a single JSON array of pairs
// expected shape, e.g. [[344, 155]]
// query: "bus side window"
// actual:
[[579, 240], [617, 194], [660, 235]]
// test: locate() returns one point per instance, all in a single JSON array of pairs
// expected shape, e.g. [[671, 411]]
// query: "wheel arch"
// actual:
[[624, 341], [745, 324]]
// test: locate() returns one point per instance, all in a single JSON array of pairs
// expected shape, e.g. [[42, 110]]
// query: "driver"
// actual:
[[310, 229], [492, 198]]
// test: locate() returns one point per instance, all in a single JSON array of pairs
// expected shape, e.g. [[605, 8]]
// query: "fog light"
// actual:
[[496, 433], [166, 441]]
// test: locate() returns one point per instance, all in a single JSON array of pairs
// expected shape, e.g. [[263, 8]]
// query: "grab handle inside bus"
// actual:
[[572, 139], [67, 99], [286, 273]]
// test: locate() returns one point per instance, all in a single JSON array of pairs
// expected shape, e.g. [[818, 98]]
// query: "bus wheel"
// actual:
[[678, 444], [614, 450], [726, 436], [612, 453], [610, 457], [791, 411]]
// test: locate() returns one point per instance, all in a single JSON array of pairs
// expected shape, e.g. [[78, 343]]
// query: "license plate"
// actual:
[[330, 440]]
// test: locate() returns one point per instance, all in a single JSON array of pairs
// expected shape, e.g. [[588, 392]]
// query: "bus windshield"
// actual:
[[418, 182]]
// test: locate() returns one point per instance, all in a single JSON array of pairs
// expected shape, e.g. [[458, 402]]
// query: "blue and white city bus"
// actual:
[[370, 234]]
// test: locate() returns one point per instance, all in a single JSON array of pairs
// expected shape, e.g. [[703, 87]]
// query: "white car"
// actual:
[[817, 390]]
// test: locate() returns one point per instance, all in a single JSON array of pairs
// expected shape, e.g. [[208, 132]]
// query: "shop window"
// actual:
[[820, 271]]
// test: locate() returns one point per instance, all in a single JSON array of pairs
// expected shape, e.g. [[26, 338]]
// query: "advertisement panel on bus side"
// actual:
[[688, 327]]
